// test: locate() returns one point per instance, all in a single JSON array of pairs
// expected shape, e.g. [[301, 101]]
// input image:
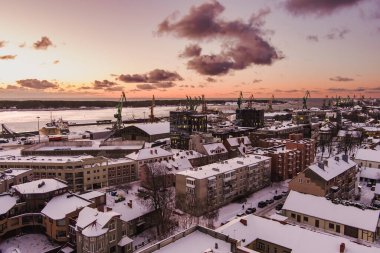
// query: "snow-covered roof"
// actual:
[[299, 240], [58, 207], [190, 154], [7, 202], [236, 141], [333, 167], [196, 242], [368, 155], [215, 148], [11, 173], [92, 221], [371, 173], [322, 208], [223, 167], [92, 194], [45, 159], [149, 153], [128, 213], [155, 128], [124, 241], [40, 186]]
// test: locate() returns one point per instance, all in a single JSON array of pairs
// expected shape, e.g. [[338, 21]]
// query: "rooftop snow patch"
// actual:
[[155, 128], [40, 186], [224, 166], [322, 208], [58, 207], [334, 167], [368, 155], [149, 153], [92, 194], [93, 221], [6, 203]]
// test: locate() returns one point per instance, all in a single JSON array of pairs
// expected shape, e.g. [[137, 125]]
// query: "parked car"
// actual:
[[279, 206], [262, 204], [269, 201], [277, 197], [240, 214], [4, 140], [250, 210]]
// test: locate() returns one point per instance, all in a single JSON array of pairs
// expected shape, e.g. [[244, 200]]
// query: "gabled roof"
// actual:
[[322, 208], [92, 221], [149, 153], [333, 168], [215, 148]]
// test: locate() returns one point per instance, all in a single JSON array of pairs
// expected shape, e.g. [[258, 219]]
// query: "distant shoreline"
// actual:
[[9, 105]]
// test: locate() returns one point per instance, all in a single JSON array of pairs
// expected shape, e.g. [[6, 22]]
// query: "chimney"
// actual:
[[326, 163], [337, 158], [130, 204], [345, 158], [321, 165], [155, 151], [216, 245], [243, 221], [342, 248]]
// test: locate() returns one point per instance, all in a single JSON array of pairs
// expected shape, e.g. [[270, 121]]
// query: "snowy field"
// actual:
[[30, 243]]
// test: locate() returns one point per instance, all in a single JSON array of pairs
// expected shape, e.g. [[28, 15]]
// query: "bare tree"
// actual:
[[160, 199]]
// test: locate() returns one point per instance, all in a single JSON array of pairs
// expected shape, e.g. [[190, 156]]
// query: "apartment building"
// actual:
[[277, 131], [327, 216], [238, 146], [97, 231], [80, 172], [11, 177], [217, 184], [289, 156], [334, 177]]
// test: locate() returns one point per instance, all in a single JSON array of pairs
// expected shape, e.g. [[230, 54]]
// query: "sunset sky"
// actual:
[[173, 48]]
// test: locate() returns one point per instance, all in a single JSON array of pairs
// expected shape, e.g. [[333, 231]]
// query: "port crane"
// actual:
[[305, 98], [118, 115]]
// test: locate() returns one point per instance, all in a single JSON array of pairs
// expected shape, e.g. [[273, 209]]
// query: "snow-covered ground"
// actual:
[[229, 211], [366, 195], [29, 243]]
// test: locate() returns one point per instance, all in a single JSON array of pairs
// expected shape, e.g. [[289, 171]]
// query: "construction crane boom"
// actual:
[[151, 117]]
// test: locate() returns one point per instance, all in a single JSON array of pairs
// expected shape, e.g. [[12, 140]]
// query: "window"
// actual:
[[112, 225], [337, 228], [331, 225], [293, 215], [61, 222], [300, 180], [112, 237], [260, 246], [317, 223], [306, 219]]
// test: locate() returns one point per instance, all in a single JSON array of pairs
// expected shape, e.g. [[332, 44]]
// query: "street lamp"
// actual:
[[38, 128]]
